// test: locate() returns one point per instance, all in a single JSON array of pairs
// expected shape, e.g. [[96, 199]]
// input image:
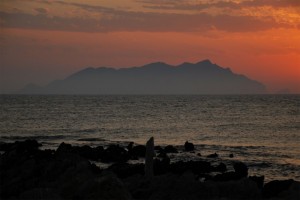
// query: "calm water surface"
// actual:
[[262, 131]]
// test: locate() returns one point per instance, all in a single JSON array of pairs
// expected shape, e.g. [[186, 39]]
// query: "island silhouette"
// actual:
[[202, 77]]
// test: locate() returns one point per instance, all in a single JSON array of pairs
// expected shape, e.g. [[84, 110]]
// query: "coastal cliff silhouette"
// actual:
[[156, 78]]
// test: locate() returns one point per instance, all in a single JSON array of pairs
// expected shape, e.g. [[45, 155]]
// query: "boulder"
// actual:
[[161, 166], [259, 180], [124, 170], [103, 187], [214, 155], [241, 169], [170, 149], [273, 188], [114, 153], [189, 146], [138, 151], [227, 176], [221, 168]]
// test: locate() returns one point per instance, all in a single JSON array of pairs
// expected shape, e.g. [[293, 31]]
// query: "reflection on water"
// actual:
[[262, 130]]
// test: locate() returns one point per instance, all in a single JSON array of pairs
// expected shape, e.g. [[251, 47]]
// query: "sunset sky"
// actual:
[[45, 40]]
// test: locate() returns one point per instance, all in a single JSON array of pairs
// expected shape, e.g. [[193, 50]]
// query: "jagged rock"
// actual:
[[170, 149], [241, 169], [189, 146], [273, 188], [214, 155], [149, 158]]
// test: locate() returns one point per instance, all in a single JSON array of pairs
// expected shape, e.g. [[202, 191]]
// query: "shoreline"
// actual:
[[67, 172]]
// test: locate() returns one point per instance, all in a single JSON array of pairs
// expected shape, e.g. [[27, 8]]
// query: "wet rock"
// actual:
[[170, 149], [273, 188], [241, 169], [214, 155], [189, 146]]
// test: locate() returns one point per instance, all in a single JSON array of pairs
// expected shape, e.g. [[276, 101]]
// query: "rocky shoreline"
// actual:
[[26, 172]]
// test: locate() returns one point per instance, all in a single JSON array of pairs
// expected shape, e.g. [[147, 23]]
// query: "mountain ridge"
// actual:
[[202, 77]]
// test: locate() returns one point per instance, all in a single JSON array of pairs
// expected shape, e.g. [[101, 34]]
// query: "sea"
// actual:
[[263, 131]]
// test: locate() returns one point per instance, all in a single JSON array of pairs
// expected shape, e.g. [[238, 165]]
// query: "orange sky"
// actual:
[[45, 40]]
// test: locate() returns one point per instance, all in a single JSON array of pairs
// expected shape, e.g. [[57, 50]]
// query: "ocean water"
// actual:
[[261, 130]]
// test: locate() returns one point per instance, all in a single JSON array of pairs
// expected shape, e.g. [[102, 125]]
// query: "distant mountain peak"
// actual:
[[156, 64], [205, 62]]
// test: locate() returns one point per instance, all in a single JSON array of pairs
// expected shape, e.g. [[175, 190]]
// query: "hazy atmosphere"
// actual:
[[41, 41]]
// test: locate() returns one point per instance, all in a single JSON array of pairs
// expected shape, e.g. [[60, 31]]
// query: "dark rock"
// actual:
[[199, 154], [189, 146], [64, 148], [124, 170], [84, 151], [273, 188], [236, 189], [221, 168], [241, 169], [115, 153], [24, 146], [104, 187], [259, 180], [40, 193], [161, 166], [162, 155], [5, 146], [214, 155], [231, 155], [138, 151], [130, 145], [227, 176], [158, 148], [197, 167], [170, 149]]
